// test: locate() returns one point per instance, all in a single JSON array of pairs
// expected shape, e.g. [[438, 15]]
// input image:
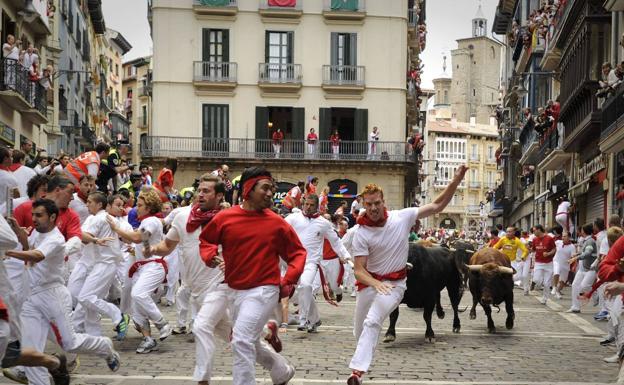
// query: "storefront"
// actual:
[[589, 193], [7, 135], [618, 185]]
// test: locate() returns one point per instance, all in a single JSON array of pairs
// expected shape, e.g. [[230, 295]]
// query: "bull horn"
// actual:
[[505, 270], [470, 251], [474, 268], [452, 249]]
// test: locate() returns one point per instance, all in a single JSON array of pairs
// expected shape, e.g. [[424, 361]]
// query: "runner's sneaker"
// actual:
[[16, 375], [303, 326], [122, 327], [271, 331], [601, 316], [147, 345], [179, 330], [291, 374], [60, 375], [114, 361], [314, 328], [164, 329], [355, 379]]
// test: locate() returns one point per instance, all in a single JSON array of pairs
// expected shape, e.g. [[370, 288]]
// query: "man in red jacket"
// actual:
[[253, 238]]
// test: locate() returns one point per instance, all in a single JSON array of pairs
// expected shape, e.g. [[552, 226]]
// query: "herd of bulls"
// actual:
[[487, 272]]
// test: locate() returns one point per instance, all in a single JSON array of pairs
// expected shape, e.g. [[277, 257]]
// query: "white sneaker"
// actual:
[[289, 375], [612, 359], [543, 301], [553, 291], [558, 295], [164, 331], [353, 293]]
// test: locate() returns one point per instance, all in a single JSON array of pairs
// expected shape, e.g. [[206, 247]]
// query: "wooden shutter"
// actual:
[[324, 130], [361, 124], [225, 48], [290, 38], [206, 44], [298, 129], [352, 44], [333, 60], [267, 39], [262, 131]]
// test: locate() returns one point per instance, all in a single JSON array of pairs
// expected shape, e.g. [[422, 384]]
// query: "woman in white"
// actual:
[[10, 52], [372, 143], [147, 273], [565, 252]]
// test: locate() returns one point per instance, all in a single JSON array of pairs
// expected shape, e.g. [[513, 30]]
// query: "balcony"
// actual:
[[412, 19], [281, 11], [145, 91], [343, 79], [120, 126], [475, 158], [262, 149], [558, 185], [214, 76], [530, 145], [612, 124], [474, 185], [344, 11], [277, 77], [551, 151], [497, 202], [218, 8], [16, 90]]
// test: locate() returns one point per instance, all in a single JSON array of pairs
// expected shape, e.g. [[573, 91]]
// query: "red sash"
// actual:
[[395, 276], [135, 266], [4, 312]]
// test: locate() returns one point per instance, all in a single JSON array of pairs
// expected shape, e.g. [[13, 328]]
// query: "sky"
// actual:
[[444, 27], [129, 17]]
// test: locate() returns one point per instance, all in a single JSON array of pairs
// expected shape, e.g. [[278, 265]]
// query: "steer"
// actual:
[[433, 269], [463, 251], [491, 283]]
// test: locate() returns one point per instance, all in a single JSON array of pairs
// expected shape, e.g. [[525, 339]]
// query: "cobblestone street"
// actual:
[[546, 347]]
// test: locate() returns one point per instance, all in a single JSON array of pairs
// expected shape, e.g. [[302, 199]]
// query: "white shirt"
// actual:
[[8, 241], [49, 272], [10, 52], [42, 170], [154, 227], [80, 208], [195, 273], [374, 136], [386, 247], [312, 232], [99, 228], [601, 236], [347, 239], [563, 207], [7, 180], [603, 247], [564, 252], [356, 206], [23, 175], [87, 257]]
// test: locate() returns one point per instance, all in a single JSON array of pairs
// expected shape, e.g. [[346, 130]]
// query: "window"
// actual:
[[215, 121], [473, 175], [343, 49], [490, 152], [473, 152], [129, 93], [144, 116], [279, 47], [445, 96], [215, 45]]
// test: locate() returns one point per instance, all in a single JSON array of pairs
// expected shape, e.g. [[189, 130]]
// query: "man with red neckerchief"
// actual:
[[253, 239], [312, 229], [380, 247], [545, 249], [79, 204]]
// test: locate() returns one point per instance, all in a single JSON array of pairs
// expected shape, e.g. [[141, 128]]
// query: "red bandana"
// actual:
[[157, 215], [199, 218], [81, 195], [364, 220], [312, 216], [12, 167], [249, 185]]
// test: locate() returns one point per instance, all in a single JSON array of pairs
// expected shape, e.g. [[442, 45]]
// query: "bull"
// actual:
[[463, 251], [491, 283], [433, 269]]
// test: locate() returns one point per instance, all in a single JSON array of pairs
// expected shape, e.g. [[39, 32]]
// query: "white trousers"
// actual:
[[91, 303], [183, 303], [562, 269], [542, 274], [5, 334], [51, 310], [145, 282], [308, 311], [16, 274], [349, 277], [125, 304], [331, 269], [213, 320], [250, 311], [563, 219], [276, 149], [335, 151], [173, 274], [583, 280], [371, 310], [76, 281]]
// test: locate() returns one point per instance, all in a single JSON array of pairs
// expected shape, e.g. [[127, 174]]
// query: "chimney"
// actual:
[[454, 122], [473, 121]]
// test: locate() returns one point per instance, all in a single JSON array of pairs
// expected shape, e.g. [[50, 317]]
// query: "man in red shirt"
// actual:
[[545, 250], [493, 237], [253, 239], [293, 198], [278, 137]]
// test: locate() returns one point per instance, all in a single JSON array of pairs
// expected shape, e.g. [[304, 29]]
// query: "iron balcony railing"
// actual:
[[38, 98], [473, 209], [343, 75], [474, 157], [527, 137], [612, 113], [209, 71], [474, 184], [549, 142], [14, 77], [279, 73], [412, 17], [215, 3], [145, 90], [164, 146]]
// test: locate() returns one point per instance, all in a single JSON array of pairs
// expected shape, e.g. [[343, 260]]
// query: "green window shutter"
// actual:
[[262, 118], [267, 39], [206, 44], [215, 3], [344, 5], [291, 47], [352, 49], [361, 124], [324, 130], [334, 49], [298, 130], [226, 45]]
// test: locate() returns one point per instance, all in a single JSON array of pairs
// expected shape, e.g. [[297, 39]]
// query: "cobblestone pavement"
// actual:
[[547, 346]]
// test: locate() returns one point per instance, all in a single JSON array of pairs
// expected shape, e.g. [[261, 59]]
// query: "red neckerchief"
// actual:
[[81, 196], [312, 216], [364, 220], [199, 218], [140, 219], [12, 167]]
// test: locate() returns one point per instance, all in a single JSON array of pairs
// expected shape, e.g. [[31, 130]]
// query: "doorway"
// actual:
[[290, 120]]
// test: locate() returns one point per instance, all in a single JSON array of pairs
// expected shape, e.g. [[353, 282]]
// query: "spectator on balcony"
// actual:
[[373, 138], [609, 81], [312, 140], [11, 54], [278, 138], [46, 77], [529, 122], [543, 122], [164, 184], [335, 144], [31, 57]]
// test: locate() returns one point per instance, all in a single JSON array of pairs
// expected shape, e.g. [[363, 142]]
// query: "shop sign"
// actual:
[[592, 167], [280, 192], [7, 134]]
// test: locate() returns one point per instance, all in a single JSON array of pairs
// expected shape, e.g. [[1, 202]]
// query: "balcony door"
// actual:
[[215, 53], [279, 48], [343, 57], [215, 129]]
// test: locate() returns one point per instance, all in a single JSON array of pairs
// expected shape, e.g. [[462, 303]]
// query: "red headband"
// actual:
[[250, 183]]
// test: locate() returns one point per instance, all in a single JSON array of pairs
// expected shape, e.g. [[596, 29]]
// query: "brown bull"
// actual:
[[491, 282]]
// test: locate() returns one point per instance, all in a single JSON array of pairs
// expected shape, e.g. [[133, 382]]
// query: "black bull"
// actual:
[[434, 268]]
